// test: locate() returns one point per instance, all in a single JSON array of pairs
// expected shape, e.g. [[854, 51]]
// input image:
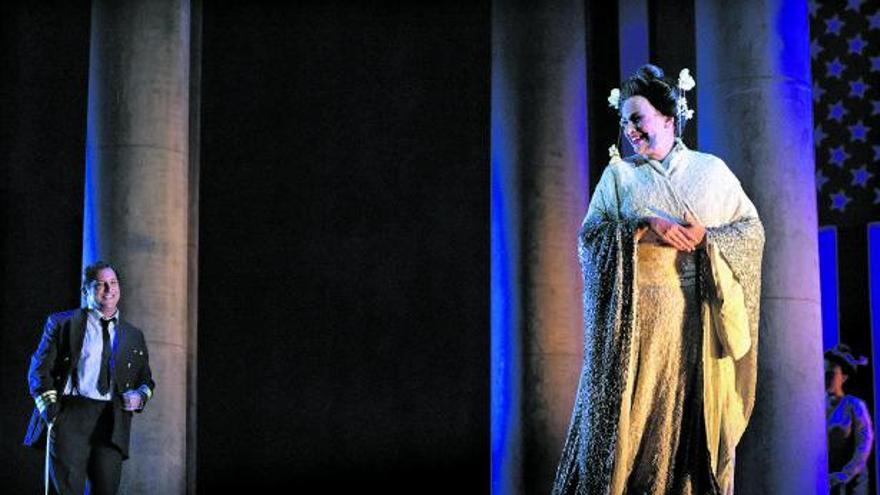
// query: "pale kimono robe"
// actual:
[[658, 350]]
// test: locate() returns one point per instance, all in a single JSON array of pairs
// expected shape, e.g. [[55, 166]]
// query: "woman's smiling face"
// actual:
[[650, 133]]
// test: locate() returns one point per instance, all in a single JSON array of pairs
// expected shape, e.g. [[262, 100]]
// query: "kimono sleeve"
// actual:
[[738, 204], [605, 203]]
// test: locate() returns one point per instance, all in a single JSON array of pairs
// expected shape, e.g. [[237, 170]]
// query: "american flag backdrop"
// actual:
[[845, 55]]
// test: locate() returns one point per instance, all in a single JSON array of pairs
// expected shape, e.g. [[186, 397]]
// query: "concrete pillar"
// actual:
[[136, 209], [195, 84], [755, 99], [539, 196]]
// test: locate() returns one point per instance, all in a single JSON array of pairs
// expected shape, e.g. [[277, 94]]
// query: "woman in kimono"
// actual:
[[850, 433], [671, 253]]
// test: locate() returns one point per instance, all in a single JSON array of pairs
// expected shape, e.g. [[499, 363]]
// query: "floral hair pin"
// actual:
[[614, 154], [614, 99], [685, 84]]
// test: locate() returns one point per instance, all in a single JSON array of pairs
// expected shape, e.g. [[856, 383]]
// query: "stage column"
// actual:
[[137, 208], [755, 111], [539, 195]]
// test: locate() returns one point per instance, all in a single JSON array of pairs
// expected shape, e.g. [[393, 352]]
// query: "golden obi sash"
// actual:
[[664, 265]]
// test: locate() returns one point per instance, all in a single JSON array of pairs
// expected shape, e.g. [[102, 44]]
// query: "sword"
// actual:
[[48, 443], [43, 401]]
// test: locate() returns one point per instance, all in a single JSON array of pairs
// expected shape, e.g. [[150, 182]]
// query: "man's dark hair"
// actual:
[[90, 272]]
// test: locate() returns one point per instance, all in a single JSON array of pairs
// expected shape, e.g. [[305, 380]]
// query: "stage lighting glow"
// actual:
[[829, 286], [874, 304], [505, 417]]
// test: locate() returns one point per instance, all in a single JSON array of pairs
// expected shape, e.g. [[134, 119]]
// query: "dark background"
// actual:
[[44, 54], [344, 247], [343, 244]]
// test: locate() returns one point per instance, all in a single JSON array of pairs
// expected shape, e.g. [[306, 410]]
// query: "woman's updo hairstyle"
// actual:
[[649, 82]]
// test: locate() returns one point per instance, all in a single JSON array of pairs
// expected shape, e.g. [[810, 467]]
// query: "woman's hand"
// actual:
[[683, 238], [838, 478], [132, 400], [696, 229]]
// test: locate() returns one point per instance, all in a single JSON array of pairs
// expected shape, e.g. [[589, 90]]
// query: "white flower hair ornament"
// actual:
[[685, 84], [685, 81], [614, 102], [614, 154], [614, 99]]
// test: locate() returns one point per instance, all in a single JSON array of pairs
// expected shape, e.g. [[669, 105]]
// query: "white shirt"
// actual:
[[89, 367]]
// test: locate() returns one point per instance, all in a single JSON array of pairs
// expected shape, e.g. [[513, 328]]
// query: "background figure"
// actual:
[[89, 373], [850, 433]]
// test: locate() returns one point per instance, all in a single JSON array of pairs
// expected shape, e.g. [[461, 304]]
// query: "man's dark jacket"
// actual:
[[59, 352]]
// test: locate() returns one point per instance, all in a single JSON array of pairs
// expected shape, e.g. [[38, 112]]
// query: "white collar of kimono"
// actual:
[[663, 166]]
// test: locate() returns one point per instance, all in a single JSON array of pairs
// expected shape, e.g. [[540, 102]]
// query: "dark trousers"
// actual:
[[81, 451]]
